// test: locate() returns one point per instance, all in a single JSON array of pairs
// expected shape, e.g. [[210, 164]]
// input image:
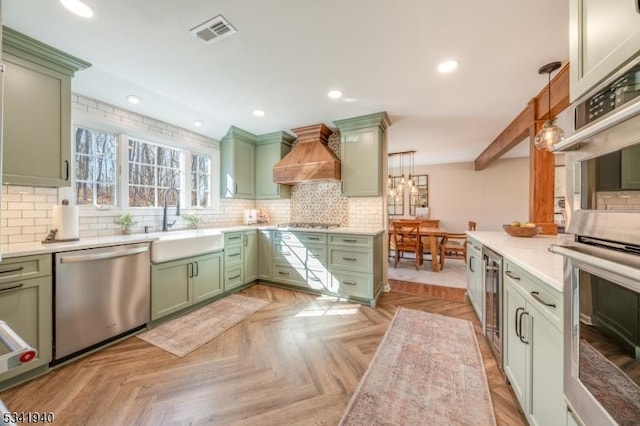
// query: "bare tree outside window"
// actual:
[[200, 179], [152, 170], [95, 167]]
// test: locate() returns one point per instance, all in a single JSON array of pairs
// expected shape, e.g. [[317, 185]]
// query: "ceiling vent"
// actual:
[[213, 30]]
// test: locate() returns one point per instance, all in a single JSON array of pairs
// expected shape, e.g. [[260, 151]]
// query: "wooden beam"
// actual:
[[519, 128]]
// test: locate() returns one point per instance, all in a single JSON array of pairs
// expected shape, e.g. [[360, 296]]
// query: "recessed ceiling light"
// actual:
[[78, 7], [334, 94], [258, 113], [198, 123], [133, 99], [447, 66]]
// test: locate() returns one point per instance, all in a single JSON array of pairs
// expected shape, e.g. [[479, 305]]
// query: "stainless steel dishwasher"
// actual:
[[100, 294]]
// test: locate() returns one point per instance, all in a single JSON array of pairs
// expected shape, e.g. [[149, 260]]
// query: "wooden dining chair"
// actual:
[[406, 238], [453, 246]]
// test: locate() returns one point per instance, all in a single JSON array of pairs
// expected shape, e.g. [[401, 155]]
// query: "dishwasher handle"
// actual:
[[105, 255]]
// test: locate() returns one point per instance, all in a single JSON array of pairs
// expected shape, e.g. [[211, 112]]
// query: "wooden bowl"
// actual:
[[522, 231]]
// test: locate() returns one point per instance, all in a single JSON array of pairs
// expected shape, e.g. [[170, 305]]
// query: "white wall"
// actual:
[[491, 197]]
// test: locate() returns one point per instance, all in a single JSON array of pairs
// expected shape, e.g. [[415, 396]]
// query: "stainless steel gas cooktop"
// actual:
[[309, 225]]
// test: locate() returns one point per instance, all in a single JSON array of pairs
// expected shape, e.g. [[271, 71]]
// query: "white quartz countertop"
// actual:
[[33, 248], [531, 254]]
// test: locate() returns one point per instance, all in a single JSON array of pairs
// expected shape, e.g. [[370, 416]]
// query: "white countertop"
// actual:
[[531, 254], [33, 248]]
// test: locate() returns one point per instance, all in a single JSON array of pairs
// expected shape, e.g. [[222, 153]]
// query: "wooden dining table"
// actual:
[[430, 236]]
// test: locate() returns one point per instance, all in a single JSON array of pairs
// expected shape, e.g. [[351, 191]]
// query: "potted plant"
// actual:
[[126, 222], [192, 219]]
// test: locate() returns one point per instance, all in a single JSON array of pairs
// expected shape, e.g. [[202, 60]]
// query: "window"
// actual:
[[95, 167], [200, 180], [152, 170]]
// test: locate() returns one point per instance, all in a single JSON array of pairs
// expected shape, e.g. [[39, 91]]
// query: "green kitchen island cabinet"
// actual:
[[179, 284], [37, 111], [533, 347], [265, 254], [475, 277], [363, 144], [240, 258], [238, 164], [26, 306], [270, 149]]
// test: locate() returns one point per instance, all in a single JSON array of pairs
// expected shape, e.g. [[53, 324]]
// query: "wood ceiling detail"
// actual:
[[520, 127]]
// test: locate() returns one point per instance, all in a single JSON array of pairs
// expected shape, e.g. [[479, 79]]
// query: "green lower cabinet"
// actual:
[[240, 258], [533, 357], [26, 306], [207, 280], [250, 255], [265, 257], [178, 284]]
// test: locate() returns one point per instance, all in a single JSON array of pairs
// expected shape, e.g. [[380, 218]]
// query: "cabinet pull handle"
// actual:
[[313, 238], [516, 322], [349, 282], [536, 295], [286, 237], [237, 237], [314, 279], [234, 277], [522, 314], [471, 267], [7, 271], [246, 240], [286, 253], [190, 270], [277, 189], [234, 254], [283, 273], [197, 269], [235, 188], [513, 277], [66, 162], [349, 241], [352, 259], [314, 256], [15, 287]]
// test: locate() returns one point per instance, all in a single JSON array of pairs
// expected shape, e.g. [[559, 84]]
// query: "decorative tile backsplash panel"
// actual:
[[618, 200], [320, 202]]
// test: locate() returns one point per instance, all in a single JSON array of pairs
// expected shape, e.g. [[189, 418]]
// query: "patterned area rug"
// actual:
[[187, 333], [427, 370], [611, 387]]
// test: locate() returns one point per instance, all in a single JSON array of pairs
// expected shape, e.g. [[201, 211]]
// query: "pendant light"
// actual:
[[550, 134]]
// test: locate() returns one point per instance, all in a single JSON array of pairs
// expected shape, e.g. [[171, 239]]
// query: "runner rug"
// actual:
[[188, 332], [427, 370]]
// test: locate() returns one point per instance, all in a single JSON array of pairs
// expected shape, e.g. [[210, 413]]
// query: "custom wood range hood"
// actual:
[[311, 159]]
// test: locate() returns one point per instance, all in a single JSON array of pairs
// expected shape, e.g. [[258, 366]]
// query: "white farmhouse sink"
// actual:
[[181, 244]]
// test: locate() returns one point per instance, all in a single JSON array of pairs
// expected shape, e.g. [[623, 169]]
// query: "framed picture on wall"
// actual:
[[419, 196]]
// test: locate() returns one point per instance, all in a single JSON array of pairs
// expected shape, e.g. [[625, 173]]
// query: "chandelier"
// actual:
[[399, 181]]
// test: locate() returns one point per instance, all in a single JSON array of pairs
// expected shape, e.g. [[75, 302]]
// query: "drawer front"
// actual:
[[233, 278], [300, 238], [319, 280], [365, 241], [22, 268], [353, 260], [290, 275], [232, 238], [232, 256], [544, 297], [317, 258], [289, 255], [352, 284]]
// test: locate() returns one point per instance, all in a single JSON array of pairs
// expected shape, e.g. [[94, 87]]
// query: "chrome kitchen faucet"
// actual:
[[165, 226]]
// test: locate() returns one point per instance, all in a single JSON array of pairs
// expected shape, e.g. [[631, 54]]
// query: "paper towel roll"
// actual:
[[65, 220]]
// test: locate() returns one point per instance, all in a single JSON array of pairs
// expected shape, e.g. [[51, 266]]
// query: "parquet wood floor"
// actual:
[[296, 362]]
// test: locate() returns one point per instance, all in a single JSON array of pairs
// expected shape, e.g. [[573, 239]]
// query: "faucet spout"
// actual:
[[165, 226]]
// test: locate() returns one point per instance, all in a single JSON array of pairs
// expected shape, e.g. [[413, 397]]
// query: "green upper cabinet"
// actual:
[[238, 164], [595, 54], [269, 150], [363, 145], [37, 111]]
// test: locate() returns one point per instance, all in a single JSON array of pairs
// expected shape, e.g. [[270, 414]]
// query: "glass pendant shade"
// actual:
[[548, 136]]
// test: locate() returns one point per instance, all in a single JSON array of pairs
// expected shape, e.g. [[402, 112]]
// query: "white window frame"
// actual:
[[116, 166]]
